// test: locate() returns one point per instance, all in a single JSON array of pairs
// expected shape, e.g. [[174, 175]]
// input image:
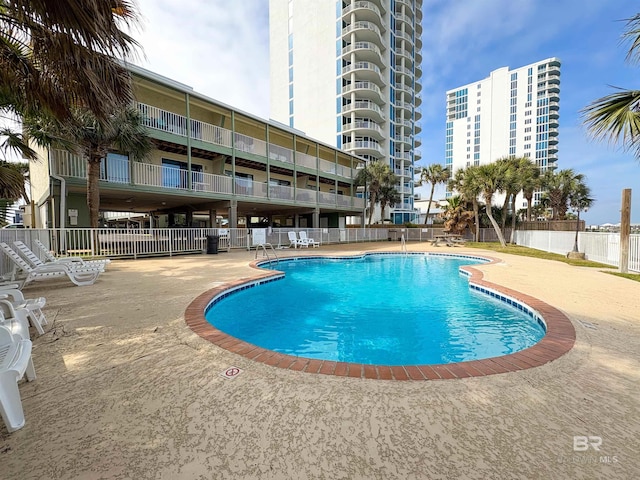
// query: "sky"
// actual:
[[221, 49]]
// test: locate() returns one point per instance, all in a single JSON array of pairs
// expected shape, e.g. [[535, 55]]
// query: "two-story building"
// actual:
[[212, 165]]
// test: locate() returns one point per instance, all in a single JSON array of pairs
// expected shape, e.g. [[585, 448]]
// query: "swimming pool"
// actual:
[[376, 310]]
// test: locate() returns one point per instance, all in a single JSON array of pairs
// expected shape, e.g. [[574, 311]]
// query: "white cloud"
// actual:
[[218, 47]]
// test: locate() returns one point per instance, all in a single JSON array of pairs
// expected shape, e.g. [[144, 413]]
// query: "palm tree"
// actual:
[[616, 117], [88, 136], [388, 196], [523, 173], [489, 178], [559, 185], [579, 200], [374, 176], [457, 215], [530, 182], [464, 182], [433, 174], [510, 185], [57, 54]]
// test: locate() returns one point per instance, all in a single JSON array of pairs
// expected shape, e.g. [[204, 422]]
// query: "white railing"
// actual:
[[361, 46], [362, 85], [306, 195], [159, 119], [326, 166], [281, 154], [67, 164], [597, 246], [361, 4], [361, 66], [326, 198], [306, 160], [210, 133], [361, 25], [248, 144], [345, 171], [364, 124], [281, 192]]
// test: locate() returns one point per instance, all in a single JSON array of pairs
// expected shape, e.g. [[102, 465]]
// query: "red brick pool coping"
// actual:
[[559, 339]]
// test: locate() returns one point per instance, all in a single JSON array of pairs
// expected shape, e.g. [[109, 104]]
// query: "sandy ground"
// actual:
[[126, 390]]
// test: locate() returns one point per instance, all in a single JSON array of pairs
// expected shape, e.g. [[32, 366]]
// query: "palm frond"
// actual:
[[615, 118], [632, 34]]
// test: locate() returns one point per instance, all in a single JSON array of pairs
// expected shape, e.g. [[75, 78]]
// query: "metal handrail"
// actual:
[[265, 253]]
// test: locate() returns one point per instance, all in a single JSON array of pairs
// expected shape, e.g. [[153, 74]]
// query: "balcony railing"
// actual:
[[149, 175], [158, 119]]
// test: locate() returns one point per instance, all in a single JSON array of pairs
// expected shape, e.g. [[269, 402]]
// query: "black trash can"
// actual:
[[212, 243]]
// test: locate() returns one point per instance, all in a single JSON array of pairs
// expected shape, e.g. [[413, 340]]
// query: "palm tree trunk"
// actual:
[[496, 227], [529, 200], [504, 211], [426, 218], [372, 204], [93, 189], [513, 219], [476, 217], [575, 242]]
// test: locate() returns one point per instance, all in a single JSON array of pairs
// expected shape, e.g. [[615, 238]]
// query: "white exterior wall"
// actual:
[[278, 60], [321, 30]]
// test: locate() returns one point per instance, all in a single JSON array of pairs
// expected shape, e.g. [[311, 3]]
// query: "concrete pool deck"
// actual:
[[126, 390]]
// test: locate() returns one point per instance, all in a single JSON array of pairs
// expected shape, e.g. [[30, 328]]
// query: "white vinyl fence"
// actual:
[[597, 246]]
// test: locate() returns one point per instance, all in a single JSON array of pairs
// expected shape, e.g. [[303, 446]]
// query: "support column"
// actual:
[[213, 214], [315, 219], [233, 214], [625, 230]]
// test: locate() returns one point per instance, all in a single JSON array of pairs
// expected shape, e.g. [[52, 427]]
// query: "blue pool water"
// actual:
[[380, 309]]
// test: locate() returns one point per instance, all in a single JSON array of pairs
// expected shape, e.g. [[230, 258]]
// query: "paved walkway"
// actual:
[[126, 390]]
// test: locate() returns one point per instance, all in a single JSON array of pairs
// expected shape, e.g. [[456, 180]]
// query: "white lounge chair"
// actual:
[[33, 306], [35, 261], [51, 258], [295, 242], [16, 322], [307, 240], [15, 361], [48, 271]]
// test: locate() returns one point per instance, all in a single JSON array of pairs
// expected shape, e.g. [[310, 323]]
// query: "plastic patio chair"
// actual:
[[295, 241], [32, 306], [15, 361], [307, 240]]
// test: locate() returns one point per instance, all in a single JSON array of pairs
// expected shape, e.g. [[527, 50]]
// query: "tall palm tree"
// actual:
[[579, 200], [616, 117], [464, 182], [530, 182], [388, 196], [510, 185], [88, 136], [373, 177], [433, 174], [559, 185], [489, 178], [57, 54], [523, 173]]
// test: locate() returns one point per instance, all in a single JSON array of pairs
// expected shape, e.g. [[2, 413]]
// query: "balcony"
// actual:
[[407, 5], [408, 21], [364, 128], [366, 51], [168, 178], [403, 52], [364, 71], [364, 147], [406, 139], [365, 108], [364, 31], [404, 36], [365, 90], [364, 11]]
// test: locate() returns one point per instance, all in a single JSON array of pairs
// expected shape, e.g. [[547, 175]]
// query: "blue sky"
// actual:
[[221, 49]]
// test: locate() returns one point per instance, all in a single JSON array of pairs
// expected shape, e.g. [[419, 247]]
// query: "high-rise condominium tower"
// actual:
[[348, 73], [511, 112]]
